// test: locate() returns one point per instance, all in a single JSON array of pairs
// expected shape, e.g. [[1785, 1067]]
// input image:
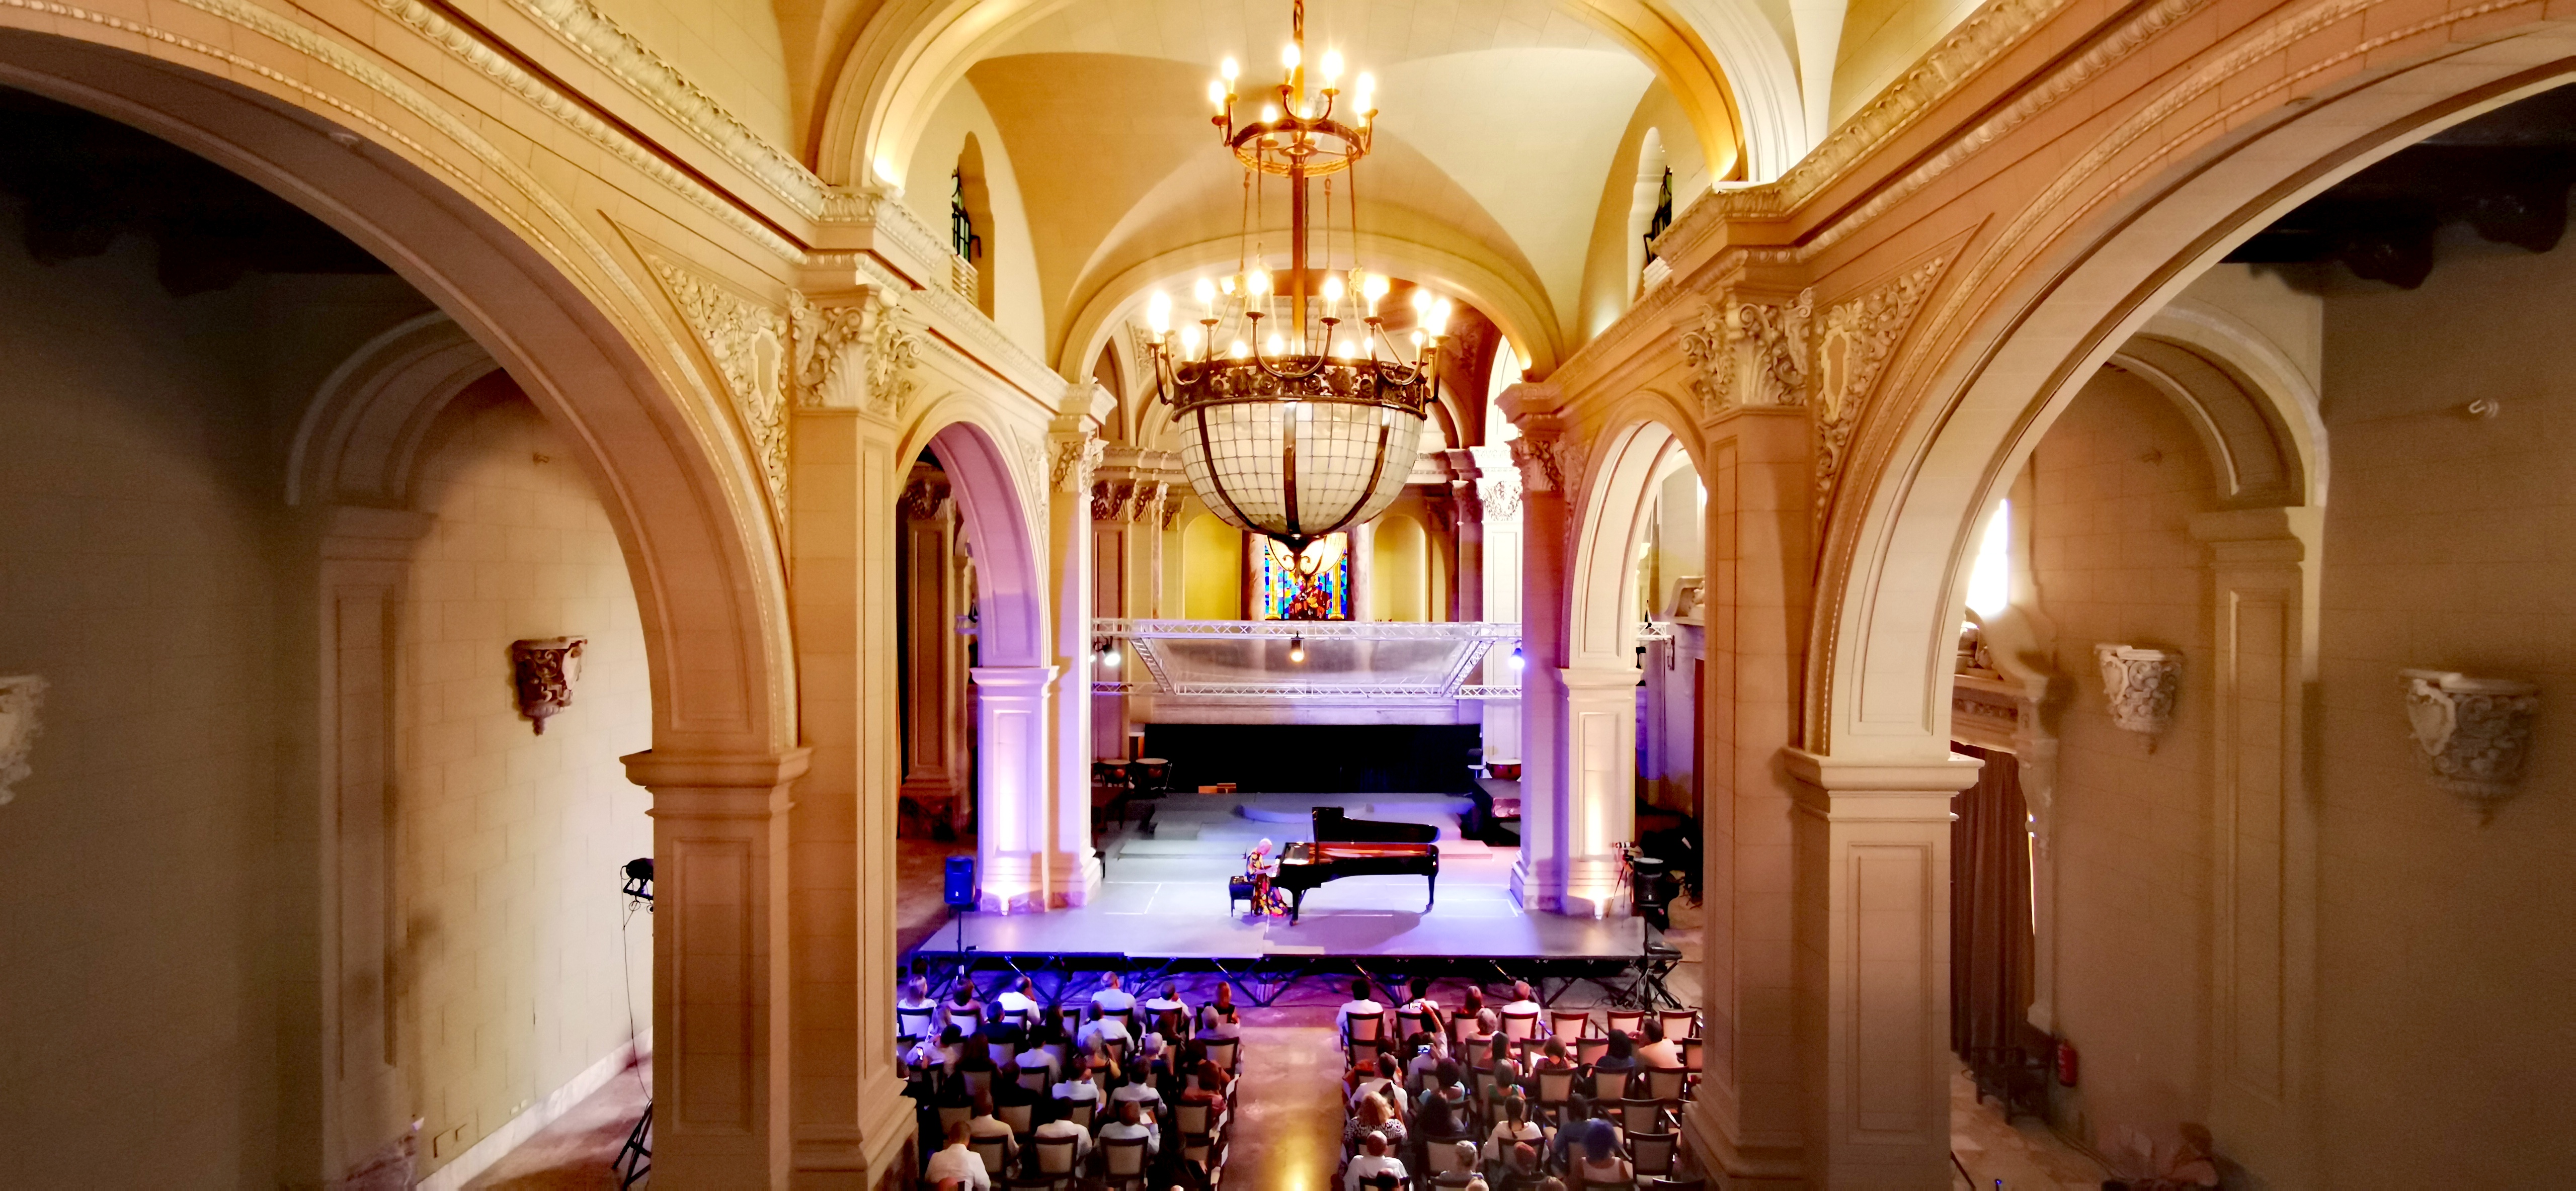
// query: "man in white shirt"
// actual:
[[1061, 1128], [1168, 1002], [1131, 1123], [1360, 1005], [1140, 1093], [984, 1124], [1113, 998], [1525, 1005], [1021, 1002], [1037, 1058], [1078, 1089], [959, 1162], [1101, 1028], [1372, 1162]]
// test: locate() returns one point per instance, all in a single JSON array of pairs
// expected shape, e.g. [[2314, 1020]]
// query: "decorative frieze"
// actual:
[[1749, 353], [2140, 685], [2473, 733], [544, 670], [748, 343], [1852, 344], [21, 697]]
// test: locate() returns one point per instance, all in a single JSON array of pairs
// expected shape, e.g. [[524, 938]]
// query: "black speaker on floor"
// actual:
[[959, 889]]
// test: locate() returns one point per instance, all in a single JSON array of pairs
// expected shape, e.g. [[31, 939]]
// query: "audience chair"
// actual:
[[1691, 1184], [1667, 1085], [912, 1025], [1627, 1021], [1126, 1017], [1221, 1051], [1589, 1185], [1588, 1051], [1569, 1024], [1055, 1158], [952, 1115], [1642, 1115], [1521, 1025], [994, 1152], [1440, 1156], [1454, 1180], [1079, 1112], [1193, 1118], [1005, 1054], [1606, 1085], [1034, 1079], [1692, 1059], [978, 1083], [1411, 1022], [1652, 1153], [1680, 1023], [1122, 1161], [1484, 1077], [1555, 1091], [1020, 1117]]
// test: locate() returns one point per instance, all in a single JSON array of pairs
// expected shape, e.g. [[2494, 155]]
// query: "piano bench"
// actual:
[[1237, 889]]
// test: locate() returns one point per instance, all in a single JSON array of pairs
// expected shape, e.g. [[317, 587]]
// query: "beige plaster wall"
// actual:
[[1881, 40], [140, 987], [1609, 284], [2445, 957], [1009, 253], [518, 967], [2115, 482], [732, 50]]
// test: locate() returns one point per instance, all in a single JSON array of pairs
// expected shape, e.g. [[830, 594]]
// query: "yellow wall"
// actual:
[[1212, 568], [1400, 580]]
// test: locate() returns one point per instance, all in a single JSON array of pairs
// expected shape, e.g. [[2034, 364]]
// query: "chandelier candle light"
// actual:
[[1310, 426]]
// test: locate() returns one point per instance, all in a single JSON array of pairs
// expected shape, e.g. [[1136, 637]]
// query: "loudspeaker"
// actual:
[[959, 890]]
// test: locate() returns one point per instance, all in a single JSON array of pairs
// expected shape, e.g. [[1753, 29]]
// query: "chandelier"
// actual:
[[1300, 410]]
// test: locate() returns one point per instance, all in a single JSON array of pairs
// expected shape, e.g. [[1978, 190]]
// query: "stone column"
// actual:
[[1597, 797], [1547, 753], [1747, 1118], [1498, 497], [721, 1015], [2264, 859], [1014, 770], [1063, 871], [1871, 873], [934, 672], [845, 480]]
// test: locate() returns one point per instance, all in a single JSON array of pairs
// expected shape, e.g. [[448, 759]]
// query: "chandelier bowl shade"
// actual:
[[1302, 456]]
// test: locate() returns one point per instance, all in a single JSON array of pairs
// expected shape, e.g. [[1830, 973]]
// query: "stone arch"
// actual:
[[1880, 689], [683, 498], [1010, 574], [1731, 72], [362, 434]]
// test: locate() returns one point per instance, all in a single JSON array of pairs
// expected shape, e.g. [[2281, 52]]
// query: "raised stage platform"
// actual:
[[1164, 897]]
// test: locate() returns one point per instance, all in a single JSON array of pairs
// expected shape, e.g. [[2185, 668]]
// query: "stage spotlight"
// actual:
[[639, 879]]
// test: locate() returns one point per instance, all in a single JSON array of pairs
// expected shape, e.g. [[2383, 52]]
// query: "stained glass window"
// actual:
[[1315, 586]]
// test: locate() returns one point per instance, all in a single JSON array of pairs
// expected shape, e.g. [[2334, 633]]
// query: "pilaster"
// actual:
[[1059, 848], [1016, 773], [721, 1012], [1539, 881], [1871, 871], [934, 660]]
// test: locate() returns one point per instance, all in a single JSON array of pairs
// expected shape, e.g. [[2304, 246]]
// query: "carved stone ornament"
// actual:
[[1108, 498], [870, 331], [1749, 353], [2140, 684], [748, 343], [1151, 499], [544, 671], [1548, 464], [2473, 733], [21, 696], [923, 499], [1853, 342], [1075, 460]]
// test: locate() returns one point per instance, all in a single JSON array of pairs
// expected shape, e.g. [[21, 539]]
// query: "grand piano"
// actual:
[[1348, 847]]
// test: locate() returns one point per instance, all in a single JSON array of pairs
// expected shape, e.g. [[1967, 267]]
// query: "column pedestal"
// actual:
[[1871, 872]]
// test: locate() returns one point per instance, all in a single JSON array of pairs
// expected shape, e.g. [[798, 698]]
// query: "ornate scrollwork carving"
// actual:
[[544, 670], [1109, 498], [1852, 344], [2140, 684], [2472, 733], [1749, 353], [1075, 460], [21, 697], [922, 499], [748, 343], [827, 338]]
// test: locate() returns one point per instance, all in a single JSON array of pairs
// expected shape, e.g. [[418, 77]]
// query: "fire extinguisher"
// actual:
[[2066, 1064]]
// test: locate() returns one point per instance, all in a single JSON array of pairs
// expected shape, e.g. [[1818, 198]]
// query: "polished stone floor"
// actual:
[[577, 1151], [2018, 1156]]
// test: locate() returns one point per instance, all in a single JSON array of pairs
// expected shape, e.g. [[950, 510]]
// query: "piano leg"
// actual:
[[1432, 898], [1296, 904]]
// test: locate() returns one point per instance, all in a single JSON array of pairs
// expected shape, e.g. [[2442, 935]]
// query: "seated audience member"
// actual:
[[1523, 1001], [1473, 1003], [1034, 1057], [1508, 1070], [1593, 1136], [1114, 998], [1657, 1050], [1598, 1160], [1131, 1122], [1140, 1092], [1360, 1005], [1368, 1082], [1512, 1127], [927, 1055], [1100, 1030], [1373, 1166], [1446, 1089], [1210, 1090], [1519, 1169], [1466, 1156], [1422, 1059], [1061, 1128], [1220, 1019], [1020, 1002], [1552, 1057], [1482, 1028], [976, 1054], [1611, 1070], [984, 1124], [916, 998], [1371, 1115], [964, 1010], [959, 1162], [1167, 1001]]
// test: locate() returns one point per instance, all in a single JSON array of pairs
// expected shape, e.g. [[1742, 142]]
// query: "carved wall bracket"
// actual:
[[543, 671], [2472, 733], [21, 697], [2140, 685]]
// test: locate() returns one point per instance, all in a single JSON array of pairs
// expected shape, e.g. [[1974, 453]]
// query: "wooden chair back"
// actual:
[[1666, 1084], [1520, 1024], [1652, 1152], [1680, 1023], [1020, 1117], [978, 1083], [1627, 1021], [952, 1115], [1221, 1052], [1079, 1112], [1569, 1023], [995, 1151], [1555, 1088], [1692, 1056], [1588, 1051], [1055, 1155], [1364, 1027], [1123, 1157], [915, 1023]]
